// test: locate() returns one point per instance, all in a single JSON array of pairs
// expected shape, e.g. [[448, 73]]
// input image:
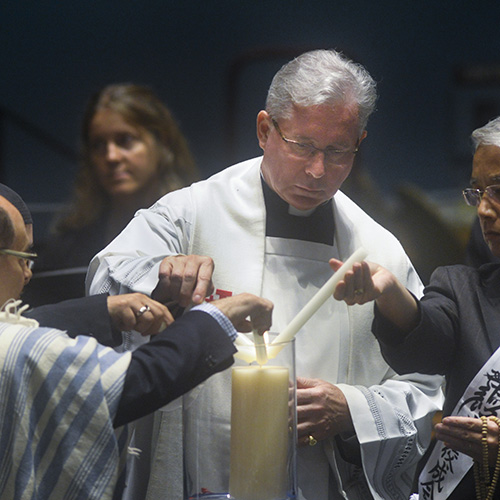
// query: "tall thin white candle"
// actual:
[[260, 348], [317, 301]]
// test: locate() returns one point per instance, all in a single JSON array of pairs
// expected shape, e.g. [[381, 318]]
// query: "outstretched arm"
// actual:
[[367, 282], [190, 350]]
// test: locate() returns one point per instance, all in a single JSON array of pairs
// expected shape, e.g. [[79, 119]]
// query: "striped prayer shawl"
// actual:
[[58, 398]]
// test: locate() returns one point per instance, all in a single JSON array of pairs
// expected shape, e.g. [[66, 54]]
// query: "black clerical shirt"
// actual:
[[317, 227]]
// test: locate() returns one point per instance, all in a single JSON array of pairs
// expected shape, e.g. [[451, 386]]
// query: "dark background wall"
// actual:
[[436, 62]]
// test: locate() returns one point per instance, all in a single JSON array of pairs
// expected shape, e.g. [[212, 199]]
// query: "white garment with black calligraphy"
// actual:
[[445, 468]]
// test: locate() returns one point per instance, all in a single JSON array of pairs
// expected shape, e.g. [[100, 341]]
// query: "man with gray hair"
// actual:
[[269, 225]]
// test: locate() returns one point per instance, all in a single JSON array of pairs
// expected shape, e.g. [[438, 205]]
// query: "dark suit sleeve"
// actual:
[[176, 360], [430, 347], [84, 316]]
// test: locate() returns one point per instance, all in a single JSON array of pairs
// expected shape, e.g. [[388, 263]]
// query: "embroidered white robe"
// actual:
[[224, 217]]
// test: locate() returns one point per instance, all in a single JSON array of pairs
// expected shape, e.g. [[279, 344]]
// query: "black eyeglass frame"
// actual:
[[477, 194]]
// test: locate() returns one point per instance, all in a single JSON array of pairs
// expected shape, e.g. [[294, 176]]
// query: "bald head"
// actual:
[[11, 222], [6, 229], [10, 195], [14, 235]]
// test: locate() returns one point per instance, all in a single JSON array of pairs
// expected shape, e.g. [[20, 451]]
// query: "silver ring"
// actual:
[[142, 310], [359, 291]]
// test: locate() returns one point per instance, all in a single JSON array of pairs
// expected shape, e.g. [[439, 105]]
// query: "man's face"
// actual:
[[307, 182], [14, 272]]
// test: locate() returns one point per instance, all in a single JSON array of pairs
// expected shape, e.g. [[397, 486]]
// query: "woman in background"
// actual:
[[132, 154]]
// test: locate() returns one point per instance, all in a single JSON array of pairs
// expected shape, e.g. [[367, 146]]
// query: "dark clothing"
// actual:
[[458, 330], [477, 252], [457, 333], [318, 226], [172, 363], [63, 258], [71, 248], [85, 316]]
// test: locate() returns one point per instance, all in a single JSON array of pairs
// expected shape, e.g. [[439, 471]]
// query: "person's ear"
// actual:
[[264, 124], [363, 136]]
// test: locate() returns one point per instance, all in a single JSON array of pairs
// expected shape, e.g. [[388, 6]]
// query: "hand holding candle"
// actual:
[[251, 353], [319, 299]]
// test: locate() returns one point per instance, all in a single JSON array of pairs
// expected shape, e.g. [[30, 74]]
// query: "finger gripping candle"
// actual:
[[323, 294]]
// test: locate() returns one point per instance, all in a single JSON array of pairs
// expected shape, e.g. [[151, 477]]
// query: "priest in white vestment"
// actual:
[[269, 226]]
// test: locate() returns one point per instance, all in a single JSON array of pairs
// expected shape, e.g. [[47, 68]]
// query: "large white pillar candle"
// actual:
[[259, 432]]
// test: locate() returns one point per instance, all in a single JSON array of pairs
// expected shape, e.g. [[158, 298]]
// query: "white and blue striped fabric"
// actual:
[[58, 398]]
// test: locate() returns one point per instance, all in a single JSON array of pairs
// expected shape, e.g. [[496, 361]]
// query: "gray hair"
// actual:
[[487, 135], [319, 77]]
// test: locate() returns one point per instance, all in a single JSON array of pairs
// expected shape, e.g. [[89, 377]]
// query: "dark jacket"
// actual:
[[459, 330]]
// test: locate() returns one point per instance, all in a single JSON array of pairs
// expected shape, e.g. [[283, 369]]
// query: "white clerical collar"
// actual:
[[291, 210], [300, 213]]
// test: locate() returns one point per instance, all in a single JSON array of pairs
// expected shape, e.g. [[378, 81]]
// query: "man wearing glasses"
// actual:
[[101, 315], [270, 225], [25, 258], [61, 398]]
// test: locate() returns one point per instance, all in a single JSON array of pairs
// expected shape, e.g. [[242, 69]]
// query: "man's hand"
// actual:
[[135, 311], [238, 307], [186, 279], [322, 410]]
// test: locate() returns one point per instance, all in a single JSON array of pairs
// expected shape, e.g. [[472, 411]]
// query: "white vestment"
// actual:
[[224, 218]]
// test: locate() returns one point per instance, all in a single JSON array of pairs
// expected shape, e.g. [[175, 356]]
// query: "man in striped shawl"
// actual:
[[63, 401]]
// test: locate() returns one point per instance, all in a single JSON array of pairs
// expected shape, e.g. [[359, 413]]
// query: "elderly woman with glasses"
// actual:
[[454, 330]]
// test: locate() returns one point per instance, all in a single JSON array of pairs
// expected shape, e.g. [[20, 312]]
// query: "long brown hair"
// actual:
[[139, 107]]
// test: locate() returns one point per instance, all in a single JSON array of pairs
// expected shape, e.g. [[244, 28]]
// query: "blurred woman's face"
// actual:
[[124, 157]]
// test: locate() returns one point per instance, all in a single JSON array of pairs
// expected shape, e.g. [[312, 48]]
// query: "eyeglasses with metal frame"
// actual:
[[302, 150], [28, 257], [473, 196]]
